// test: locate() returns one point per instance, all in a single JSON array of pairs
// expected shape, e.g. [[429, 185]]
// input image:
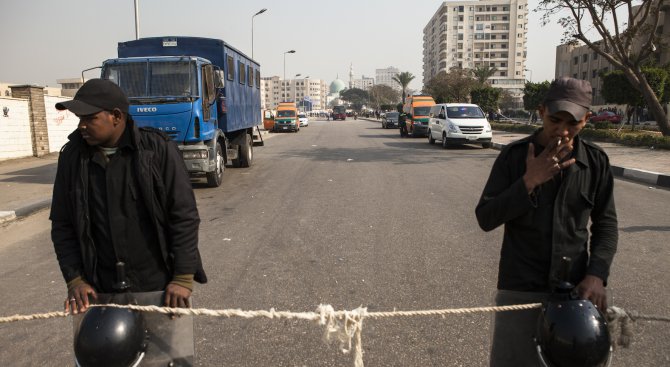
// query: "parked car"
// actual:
[[459, 123], [304, 120], [390, 120], [606, 116]]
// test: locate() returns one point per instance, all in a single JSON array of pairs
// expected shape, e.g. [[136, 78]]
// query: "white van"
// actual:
[[459, 123]]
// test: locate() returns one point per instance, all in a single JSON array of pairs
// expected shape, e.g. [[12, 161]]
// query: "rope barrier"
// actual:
[[347, 325]]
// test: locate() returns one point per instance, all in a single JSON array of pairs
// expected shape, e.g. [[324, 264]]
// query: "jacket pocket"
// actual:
[[580, 209]]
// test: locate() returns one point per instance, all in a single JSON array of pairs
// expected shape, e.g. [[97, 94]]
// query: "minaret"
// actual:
[[351, 75]]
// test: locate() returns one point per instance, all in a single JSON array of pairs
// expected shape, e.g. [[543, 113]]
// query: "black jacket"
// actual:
[[585, 192], [165, 188]]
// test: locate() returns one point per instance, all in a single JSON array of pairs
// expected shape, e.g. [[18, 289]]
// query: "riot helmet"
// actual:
[[571, 332], [110, 337]]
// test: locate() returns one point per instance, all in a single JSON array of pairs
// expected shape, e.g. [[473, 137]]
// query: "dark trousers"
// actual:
[[513, 331]]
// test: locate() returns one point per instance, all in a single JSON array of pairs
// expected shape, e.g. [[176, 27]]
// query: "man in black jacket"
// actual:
[[544, 189], [122, 195]]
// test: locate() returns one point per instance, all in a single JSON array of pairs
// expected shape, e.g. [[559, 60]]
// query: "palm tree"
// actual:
[[403, 79], [483, 73]]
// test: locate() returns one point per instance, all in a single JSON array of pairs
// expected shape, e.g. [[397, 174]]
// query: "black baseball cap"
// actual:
[[94, 96], [570, 95]]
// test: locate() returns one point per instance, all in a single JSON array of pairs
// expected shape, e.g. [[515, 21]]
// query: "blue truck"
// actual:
[[201, 92]]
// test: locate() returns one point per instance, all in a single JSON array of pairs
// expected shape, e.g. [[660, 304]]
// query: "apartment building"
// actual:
[[364, 83], [470, 34], [385, 77], [581, 62], [274, 90]]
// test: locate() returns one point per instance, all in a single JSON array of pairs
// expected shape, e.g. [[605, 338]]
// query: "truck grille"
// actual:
[[471, 129]]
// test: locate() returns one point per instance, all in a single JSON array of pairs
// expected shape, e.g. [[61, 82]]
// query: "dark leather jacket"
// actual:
[[167, 193], [586, 192]]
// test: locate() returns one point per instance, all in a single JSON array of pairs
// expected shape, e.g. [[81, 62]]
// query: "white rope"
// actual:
[[347, 326]]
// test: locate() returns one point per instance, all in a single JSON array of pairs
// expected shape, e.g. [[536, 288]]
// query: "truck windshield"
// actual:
[[162, 81], [465, 112], [421, 111], [286, 113]]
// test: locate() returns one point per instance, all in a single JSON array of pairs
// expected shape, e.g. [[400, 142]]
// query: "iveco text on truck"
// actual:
[[202, 92]]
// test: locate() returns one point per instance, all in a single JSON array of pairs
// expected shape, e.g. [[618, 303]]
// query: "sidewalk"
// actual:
[[26, 183]]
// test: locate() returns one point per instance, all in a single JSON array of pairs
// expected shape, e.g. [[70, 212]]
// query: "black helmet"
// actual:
[[571, 332], [110, 336]]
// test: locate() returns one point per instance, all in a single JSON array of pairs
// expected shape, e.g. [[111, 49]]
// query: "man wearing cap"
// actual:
[[122, 195], [544, 189]]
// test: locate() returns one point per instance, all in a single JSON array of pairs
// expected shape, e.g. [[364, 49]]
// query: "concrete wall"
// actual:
[[59, 123], [15, 135]]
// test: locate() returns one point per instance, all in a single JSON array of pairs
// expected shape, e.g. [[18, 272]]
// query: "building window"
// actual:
[[585, 57], [461, 9], [584, 75], [503, 73], [575, 60], [520, 16], [594, 73], [460, 18], [479, 27], [595, 56]]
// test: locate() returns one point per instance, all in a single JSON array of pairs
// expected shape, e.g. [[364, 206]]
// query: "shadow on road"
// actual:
[[633, 229], [38, 175]]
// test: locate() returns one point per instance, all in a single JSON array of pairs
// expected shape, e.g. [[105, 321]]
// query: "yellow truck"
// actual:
[[417, 110], [287, 117]]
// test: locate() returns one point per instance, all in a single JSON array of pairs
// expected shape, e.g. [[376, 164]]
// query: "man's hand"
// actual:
[[77, 298], [592, 288], [177, 296], [542, 168]]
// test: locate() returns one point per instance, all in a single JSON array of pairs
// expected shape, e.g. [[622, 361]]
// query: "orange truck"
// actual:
[[287, 117], [417, 110]]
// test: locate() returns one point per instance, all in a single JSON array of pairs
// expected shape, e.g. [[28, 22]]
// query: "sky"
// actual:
[[45, 40]]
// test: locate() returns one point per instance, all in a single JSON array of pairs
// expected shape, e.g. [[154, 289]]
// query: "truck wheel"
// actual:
[[430, 138], [215, 178], [246, 154]]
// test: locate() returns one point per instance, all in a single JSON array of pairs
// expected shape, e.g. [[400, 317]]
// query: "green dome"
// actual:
[[337, 86]]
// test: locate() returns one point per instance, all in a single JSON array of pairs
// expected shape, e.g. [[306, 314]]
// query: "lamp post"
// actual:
[[137, 20], [531, 74], [287, 52], [252, 30]]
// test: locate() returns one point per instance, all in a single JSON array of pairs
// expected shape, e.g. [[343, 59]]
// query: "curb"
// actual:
[[24, 211], [631, 174]]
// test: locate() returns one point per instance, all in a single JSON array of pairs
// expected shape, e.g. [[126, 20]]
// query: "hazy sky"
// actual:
[[45, 40]]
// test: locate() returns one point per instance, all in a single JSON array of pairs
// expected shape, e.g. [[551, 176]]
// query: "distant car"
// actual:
[[304, 121], [390, 120], [606, 116]]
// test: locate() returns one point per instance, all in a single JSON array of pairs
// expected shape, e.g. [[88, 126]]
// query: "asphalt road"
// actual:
[[347, 214]]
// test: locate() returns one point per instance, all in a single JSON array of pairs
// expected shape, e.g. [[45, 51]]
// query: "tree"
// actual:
[[355, 97], [483, 73], [454, 86], [626, 49], [617, 89], [383, 95], [403, 79], [486, 97], [533, 94]]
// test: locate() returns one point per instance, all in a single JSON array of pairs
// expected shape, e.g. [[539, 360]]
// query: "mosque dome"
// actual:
[[337, 86]]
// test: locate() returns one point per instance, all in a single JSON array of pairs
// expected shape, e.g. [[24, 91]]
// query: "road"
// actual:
[[347, 214]]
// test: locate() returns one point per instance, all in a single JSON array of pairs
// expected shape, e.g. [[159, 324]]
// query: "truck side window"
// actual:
[[242, 72], [231, 68], [251, 76], [209, 93], [258, 79]]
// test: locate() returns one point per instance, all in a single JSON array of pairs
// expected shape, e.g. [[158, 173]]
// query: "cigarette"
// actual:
[[559, 141]]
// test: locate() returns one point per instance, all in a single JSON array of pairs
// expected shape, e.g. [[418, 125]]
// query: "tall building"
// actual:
[[364, 83], [275, 90], [385, 77], [471, 34]]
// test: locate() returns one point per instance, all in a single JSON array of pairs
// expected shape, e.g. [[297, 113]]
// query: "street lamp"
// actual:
[[287, 52], [252, 30], [531, 74]]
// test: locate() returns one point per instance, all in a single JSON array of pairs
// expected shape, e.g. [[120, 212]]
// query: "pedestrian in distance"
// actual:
[[122, 196], [544, 189], [402, 123]]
